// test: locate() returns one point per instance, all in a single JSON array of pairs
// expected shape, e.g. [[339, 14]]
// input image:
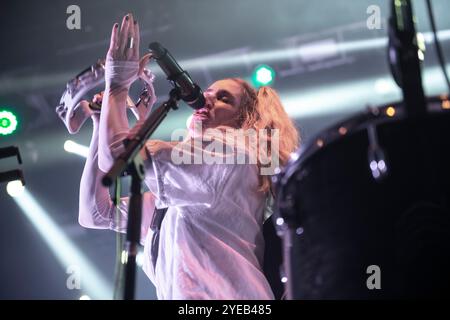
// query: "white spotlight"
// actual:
[[76, 148], [85, 297], [15, 188], [67, 253]]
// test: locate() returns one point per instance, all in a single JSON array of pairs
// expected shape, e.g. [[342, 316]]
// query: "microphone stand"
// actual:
[[131, 161]]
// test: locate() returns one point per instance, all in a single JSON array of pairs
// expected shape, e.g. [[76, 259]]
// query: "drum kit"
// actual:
[[373, 190], [363, 209]]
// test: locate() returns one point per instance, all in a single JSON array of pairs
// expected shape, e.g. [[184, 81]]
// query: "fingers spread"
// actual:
[[124, 43], [137, 38], [131, 39], [114, 36], [112, 51]]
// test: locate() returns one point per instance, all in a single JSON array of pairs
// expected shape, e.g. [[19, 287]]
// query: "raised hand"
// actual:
[[124, 44], [122, 60], [123, 67]]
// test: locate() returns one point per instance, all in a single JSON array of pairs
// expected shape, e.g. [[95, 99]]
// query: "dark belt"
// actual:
[[158, 216]]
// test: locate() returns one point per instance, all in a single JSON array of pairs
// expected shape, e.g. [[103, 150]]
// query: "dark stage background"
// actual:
[[328, 65]]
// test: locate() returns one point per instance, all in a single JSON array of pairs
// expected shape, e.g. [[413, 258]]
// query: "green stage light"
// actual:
[[263, 76], [8, 122]]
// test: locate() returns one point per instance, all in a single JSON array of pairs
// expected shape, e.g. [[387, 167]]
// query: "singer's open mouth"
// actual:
[[202, 113], [200, 117]]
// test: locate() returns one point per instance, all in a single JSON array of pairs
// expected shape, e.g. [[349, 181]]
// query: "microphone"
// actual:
[[190, 92]]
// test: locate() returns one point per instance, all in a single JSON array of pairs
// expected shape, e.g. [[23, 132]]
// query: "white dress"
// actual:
[[211, 244]]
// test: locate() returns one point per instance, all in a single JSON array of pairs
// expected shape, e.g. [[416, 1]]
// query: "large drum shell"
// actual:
[[350, 221]]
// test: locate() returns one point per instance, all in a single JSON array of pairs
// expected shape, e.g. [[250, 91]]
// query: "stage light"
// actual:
[[140, 259], [8, 122], [76, 148], [421, 44], [390, 111], [263, 76], [319, 143], [15, 188], [85, 297], [385, 86], [343, 131], [66, 252]]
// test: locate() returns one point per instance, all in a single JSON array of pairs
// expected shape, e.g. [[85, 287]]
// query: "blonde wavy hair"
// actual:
[[262, 109]]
